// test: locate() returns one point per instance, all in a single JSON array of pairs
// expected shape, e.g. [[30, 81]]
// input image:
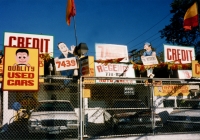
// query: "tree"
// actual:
[[174, 33]]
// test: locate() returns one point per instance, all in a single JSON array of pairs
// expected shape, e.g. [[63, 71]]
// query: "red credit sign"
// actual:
[[173, 53], [43, 42]]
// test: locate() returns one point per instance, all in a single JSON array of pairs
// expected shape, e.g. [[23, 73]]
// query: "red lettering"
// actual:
[[28, 39], [20, 42], [168, 54], [173, 54], [183, 55], [99, 68], [11, 39], [20, 75], [20, 82], [35, 43], [197, 68], [28, 42]]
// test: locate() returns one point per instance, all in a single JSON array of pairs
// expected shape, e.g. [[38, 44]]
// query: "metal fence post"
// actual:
[[81, 108]]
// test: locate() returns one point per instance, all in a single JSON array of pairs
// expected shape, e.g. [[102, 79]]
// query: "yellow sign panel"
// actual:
[[87, 68], [195, 69], [86, 93], [21, 69], [171, 90]]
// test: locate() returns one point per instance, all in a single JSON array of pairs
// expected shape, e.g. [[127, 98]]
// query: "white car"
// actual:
[[186, 116], [54, 117]]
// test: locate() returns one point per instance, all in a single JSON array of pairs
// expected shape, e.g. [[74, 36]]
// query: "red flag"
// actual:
[[71, 11], [191, 18]]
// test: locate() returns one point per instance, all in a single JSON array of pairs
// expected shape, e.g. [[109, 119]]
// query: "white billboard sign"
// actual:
[[114, 70], [175, 53], [23, 40], [111, 51]]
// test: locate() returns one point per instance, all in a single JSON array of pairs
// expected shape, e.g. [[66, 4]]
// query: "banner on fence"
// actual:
[[171, 90], [21, 69]]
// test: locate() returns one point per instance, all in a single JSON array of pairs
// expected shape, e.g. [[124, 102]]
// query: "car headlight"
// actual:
[[34, 123], [72, 121], [124, 120]]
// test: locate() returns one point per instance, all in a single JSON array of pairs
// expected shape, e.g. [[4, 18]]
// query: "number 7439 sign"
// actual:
[[65, 64]]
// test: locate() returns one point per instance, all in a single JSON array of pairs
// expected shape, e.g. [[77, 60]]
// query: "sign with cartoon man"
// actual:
[[69, 61], [21, 69]]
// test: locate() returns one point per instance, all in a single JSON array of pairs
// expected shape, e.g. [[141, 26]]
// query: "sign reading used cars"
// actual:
[[42, 42], [21, 69]]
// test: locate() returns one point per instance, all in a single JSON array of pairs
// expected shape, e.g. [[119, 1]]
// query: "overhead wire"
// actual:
[[148, 30]]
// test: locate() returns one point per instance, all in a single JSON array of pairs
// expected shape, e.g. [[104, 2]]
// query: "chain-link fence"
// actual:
[[101, 107], [125, 107], [51, 112]]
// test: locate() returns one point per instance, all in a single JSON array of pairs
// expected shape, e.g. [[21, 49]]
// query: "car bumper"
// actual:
[[53, 129], [186, 125], [136, 125]]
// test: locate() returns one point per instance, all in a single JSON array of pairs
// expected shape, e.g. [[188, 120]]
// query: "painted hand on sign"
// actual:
[[22, 57], [64, 49]]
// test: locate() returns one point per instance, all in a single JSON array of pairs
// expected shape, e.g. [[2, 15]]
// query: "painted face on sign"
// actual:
[[22, 57], [64, 49]]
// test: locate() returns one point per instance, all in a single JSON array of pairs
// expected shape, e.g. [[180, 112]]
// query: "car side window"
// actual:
[[169, 103]]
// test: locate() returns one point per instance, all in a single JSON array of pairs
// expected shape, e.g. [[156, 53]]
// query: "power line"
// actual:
[[148, 29]]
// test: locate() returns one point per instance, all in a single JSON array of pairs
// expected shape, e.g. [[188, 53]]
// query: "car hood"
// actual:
[[58, 115], [186, 112]]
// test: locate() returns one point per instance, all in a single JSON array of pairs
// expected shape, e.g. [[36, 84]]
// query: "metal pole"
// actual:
[[75, 30], [152, 108], [81, 108]]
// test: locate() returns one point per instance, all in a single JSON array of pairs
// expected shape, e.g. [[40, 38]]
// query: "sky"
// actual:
[[121, 22]]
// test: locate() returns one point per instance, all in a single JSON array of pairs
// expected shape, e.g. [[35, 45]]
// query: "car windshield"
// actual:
[[190, 104], [55, 106], [129, 104]]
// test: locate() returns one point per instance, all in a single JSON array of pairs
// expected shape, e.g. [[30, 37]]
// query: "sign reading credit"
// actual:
[[174, 53], [21, 69], [42, 42]]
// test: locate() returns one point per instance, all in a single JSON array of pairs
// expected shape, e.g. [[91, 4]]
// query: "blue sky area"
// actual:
[[123, 22]]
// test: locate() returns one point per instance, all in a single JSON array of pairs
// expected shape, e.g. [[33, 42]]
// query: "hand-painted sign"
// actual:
[[21, 69], [65, 64], [195, 69], [175, 53], [111, 51], [87, 68], [171, 90], [149, 60], [114, 70], [43, 42]]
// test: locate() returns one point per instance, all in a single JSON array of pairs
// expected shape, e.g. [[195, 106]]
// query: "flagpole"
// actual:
[[75, 30]]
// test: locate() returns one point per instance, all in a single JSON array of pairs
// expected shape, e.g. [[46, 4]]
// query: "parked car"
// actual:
[[54, 117], [186, 116], [131, 113]]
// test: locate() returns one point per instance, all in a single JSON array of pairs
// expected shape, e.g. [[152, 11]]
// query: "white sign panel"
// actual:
[[149, 60], [65, 64], [43, 42], [111, 51], [114, 70], [174, 53], [184, 74]]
